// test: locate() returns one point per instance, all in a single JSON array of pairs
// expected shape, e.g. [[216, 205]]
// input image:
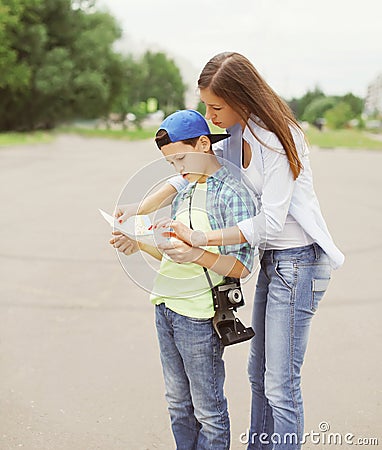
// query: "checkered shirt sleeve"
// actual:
[[229, 202]]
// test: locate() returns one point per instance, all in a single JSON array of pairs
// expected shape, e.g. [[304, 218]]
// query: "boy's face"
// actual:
[[191, 162]]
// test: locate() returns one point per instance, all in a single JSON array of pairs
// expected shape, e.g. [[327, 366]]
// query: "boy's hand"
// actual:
[[124, 244], [123, 212], [180, 252], [195, 238]]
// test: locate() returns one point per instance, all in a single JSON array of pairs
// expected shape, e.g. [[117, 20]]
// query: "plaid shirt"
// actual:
[[228, 202]]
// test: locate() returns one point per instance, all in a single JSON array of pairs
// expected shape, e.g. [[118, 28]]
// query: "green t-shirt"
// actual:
[[184, 287]]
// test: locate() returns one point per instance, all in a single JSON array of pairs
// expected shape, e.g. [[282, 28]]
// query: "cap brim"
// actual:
[[217, 137]]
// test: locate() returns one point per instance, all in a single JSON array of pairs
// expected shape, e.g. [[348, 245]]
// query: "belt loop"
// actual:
[[316, 250], [272, 257]]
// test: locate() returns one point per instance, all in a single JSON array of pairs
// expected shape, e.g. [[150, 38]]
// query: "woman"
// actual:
[[297, 251]]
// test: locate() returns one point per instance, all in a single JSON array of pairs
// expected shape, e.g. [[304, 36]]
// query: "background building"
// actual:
[[373, 102]]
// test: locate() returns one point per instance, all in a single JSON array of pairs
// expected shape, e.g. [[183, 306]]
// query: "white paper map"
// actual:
[[135, 227]]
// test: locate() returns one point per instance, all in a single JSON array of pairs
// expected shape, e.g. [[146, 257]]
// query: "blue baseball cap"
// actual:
[[186, 124]]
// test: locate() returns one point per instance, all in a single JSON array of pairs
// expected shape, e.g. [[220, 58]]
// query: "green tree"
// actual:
[[132, 90], [162, 80], [339, 115], [201, 108], [153, 76], [356, 103], [316, 109], [14, 73], [298, 105], [63, 66]]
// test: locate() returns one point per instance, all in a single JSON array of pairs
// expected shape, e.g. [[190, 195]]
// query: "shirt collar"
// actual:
[[218, 177]]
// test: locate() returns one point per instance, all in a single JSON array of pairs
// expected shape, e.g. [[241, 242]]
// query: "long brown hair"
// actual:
[[232, 77]]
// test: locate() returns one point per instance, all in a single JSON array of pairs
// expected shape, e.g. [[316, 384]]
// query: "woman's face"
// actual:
[[218, 111]]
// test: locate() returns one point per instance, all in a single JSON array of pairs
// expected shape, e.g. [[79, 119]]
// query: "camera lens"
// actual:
[[234, 296]]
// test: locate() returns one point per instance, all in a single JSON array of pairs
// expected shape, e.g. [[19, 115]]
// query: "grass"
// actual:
[[326, 139], [130, 135], [13, 138], [342, 138], [355, 139]]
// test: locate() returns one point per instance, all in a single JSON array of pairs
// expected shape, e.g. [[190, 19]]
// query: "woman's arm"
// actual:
[[278, 186], [226, 265], [197, 238]]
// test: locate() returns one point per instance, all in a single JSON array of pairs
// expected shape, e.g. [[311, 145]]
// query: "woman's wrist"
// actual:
[[197, 255], [226, 236], [204, 258], [198, 238]]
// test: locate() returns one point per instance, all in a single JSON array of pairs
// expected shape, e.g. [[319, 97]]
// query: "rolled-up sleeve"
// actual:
[[237, 208], [178, 182]]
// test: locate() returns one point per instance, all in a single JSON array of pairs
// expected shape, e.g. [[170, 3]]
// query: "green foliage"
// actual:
[[57, 63], [356, 104], [316, 108], [338, 116], [163, 81], [298, 106], [15, 74], [201, 108], [154, 76]]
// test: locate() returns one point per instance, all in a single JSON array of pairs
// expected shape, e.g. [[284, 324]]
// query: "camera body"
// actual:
[[227, 297]]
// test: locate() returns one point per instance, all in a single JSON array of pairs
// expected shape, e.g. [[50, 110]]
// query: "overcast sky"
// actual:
[[295, 44]]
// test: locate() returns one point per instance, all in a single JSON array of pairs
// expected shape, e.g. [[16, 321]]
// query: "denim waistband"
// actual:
[[307, 252]]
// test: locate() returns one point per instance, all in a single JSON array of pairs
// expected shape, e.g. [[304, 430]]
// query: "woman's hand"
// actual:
[[194, 238], [124, 244], [180, 252]]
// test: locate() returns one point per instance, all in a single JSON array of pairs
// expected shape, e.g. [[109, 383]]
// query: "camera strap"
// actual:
[[229, 328], [189, 216]]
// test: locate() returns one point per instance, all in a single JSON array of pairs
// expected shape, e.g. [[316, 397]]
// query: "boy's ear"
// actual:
[[205, 143]]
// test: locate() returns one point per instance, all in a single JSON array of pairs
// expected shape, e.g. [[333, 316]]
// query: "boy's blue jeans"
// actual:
[[194, 374], [290, 285]]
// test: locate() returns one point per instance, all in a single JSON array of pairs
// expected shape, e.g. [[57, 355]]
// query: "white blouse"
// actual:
[[288, 209], [293, 235]]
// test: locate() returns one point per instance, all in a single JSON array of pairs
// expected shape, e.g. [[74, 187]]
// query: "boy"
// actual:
[[191, 352]]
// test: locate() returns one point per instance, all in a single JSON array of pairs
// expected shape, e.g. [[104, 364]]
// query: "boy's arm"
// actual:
[[128, 246], [227, 265], [233, 209], [157, 200], [151, 250]]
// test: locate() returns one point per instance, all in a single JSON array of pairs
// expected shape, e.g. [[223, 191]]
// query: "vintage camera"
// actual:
[[227, 298]]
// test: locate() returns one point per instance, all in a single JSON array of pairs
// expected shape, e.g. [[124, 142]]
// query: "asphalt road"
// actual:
[[79, 363]]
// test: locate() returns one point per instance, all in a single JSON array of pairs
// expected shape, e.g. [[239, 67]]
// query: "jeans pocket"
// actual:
[[285, 270], [198, 320], [319, 286]]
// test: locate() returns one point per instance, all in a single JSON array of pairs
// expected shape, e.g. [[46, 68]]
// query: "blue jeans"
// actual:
[[194, 374], [290, 285]]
